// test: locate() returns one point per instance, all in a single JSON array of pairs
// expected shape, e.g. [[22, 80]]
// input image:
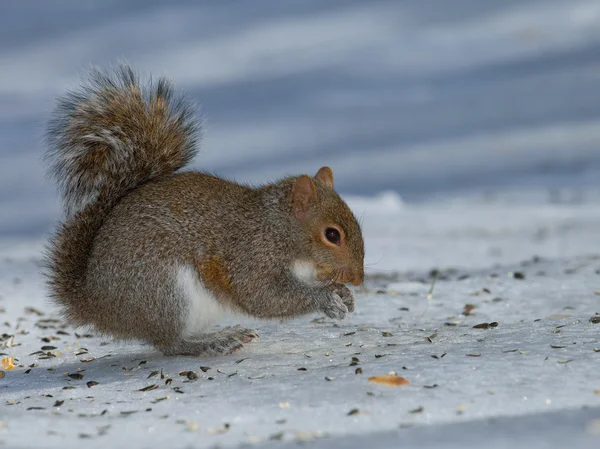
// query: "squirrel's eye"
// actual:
[[333, 236]]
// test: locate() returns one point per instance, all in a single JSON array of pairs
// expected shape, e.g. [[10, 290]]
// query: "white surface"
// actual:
[[261, 394]]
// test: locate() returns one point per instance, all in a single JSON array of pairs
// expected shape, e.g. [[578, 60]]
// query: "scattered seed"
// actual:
[[560, 315], [48, 348], [494, 324], [482, 326], [58, 403], [557, 346], [192, 426], [7, 363], [349, 333], [83, 335], [219, 430], [149, 388], [152, 374], [205, 368], [33, 311], [473, 355], [358, 371], [302, 369], [378, 356], [518, 275], [595, 319], [387, 334], [128, 412], [354, 361], [468, 309], [391, 381], [2, 374], [329, 379], [69, 387], [87, 359], [192, 375], [563, 361], [76, 376], [417, 410], [36, 408], [168, 381], [352, 412], [430, 386], [92, 383]]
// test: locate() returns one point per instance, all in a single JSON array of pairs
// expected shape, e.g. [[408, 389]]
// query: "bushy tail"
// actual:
[[112, 135], [106, 139]]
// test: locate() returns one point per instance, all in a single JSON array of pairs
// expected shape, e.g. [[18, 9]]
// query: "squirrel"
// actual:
[[150, 252]]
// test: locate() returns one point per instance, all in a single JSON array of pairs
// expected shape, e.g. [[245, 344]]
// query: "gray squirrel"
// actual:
[[149, 252]]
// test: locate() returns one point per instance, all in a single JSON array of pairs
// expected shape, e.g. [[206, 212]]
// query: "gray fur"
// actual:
[[132, 222]]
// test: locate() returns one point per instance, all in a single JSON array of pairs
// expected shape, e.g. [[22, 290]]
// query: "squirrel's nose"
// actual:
[[358, 278]]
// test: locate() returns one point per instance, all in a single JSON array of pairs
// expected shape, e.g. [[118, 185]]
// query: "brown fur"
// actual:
[[215, 275], [132, 222]]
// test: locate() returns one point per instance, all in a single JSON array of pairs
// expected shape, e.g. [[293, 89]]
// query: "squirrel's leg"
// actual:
[[225, 341], [287, 297]]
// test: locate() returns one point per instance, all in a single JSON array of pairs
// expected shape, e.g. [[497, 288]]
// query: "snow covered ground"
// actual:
[[484, 116], [529, 265]]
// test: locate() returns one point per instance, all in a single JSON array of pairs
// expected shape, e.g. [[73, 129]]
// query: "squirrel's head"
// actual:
[[332, 234]]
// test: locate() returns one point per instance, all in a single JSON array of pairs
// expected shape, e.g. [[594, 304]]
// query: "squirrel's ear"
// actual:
[[304, 194], [325, 175]]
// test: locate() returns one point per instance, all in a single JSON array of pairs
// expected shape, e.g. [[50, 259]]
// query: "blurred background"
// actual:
[[425, 98]]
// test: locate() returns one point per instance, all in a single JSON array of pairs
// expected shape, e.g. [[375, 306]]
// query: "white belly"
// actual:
[[203, 309]]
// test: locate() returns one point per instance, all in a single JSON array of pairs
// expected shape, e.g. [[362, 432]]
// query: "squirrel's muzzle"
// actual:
[[358, 278]]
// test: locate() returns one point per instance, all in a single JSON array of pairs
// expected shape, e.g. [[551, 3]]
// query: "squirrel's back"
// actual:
[[106, 139]]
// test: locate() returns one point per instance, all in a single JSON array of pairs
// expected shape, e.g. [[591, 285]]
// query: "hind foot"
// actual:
[[223, 342]]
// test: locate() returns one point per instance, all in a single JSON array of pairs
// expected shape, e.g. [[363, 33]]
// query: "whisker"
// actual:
[[375, 270], [330, 277]]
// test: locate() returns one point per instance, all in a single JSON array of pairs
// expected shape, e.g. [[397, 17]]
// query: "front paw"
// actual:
[[346, 294], [335, 307]]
